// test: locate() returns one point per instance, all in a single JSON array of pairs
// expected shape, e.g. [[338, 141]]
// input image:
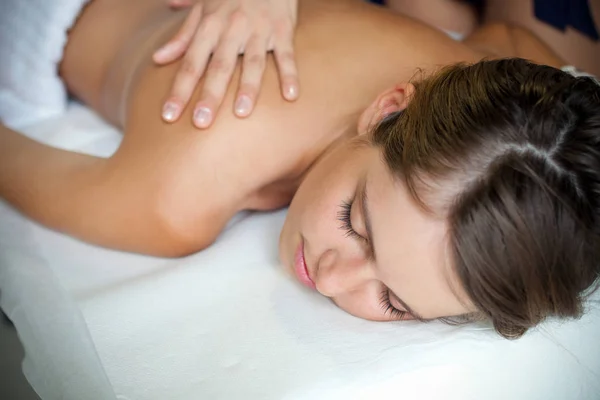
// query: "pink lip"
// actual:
[[300, 267]]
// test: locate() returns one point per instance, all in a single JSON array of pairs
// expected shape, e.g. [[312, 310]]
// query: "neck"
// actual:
[[347, 131], [279, 193]]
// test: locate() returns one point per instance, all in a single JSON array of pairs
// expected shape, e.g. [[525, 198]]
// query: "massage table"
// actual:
[[230, 323]]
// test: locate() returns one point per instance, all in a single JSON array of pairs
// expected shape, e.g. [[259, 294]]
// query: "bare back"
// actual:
[[347, 53], [171, 188]]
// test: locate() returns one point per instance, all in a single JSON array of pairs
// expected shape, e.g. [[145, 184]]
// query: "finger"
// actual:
[[179, 3], [218, 75], [286, 63], [253, 68], [191, 70], [175, 47]]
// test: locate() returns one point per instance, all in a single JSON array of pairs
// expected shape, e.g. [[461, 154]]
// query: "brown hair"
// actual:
[[509, 152]]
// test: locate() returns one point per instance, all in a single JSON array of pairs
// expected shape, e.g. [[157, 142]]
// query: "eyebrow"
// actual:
[[367, 217]]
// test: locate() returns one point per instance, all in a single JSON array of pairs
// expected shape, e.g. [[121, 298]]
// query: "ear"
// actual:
[[390, 101]]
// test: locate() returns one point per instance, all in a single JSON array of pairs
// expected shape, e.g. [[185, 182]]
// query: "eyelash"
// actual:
[[344, 217], [388, 308], [346, 226]]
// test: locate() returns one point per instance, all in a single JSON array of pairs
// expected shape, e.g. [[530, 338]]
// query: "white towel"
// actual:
[[33, 34]]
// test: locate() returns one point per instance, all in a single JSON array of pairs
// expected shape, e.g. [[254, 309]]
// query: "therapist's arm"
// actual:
[[98, 200]]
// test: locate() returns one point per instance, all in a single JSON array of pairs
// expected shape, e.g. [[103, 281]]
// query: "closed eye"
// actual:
[[389, 309], [344, 216]]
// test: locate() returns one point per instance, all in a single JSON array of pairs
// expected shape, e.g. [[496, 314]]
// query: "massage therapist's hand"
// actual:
[[225, 29]]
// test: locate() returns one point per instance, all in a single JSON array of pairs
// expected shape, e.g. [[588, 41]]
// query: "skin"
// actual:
[[449, 15], [579, 49], [170, 189], [167, 191], [397, 253], [459, 16], [394, 265], [224, 29]]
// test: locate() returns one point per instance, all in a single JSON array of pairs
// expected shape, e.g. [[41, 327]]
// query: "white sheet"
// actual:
[[33, 34], [227, 323]]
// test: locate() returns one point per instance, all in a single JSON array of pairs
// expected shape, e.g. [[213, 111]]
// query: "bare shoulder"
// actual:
[[499, 40], [195, 185], [198, 179]]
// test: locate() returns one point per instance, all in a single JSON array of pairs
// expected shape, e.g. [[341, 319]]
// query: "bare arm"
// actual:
[[30, 170], [108, 202]]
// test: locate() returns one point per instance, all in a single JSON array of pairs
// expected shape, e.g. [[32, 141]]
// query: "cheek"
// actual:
[[319, 209], [321, 193], [331, 181], [363, 304]]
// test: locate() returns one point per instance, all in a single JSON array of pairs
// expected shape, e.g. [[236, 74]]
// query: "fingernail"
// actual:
[[243, 106], [291, 92], [164, 51], [170, 111], [202, 117]]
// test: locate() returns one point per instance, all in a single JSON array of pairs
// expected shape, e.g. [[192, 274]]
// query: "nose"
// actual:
[[337, 275]]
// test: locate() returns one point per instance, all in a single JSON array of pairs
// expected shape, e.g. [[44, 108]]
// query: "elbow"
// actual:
[[181, 230], [176, 245], [172, 217], [157, 216], [173, 239]]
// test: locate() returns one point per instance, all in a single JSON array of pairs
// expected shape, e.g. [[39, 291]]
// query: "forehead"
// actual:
[[412, 257]]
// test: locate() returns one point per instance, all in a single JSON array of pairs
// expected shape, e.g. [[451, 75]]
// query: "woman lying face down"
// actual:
[[473, 194]]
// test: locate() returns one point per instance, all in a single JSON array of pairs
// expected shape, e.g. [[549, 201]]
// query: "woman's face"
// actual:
[[355, 234]]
